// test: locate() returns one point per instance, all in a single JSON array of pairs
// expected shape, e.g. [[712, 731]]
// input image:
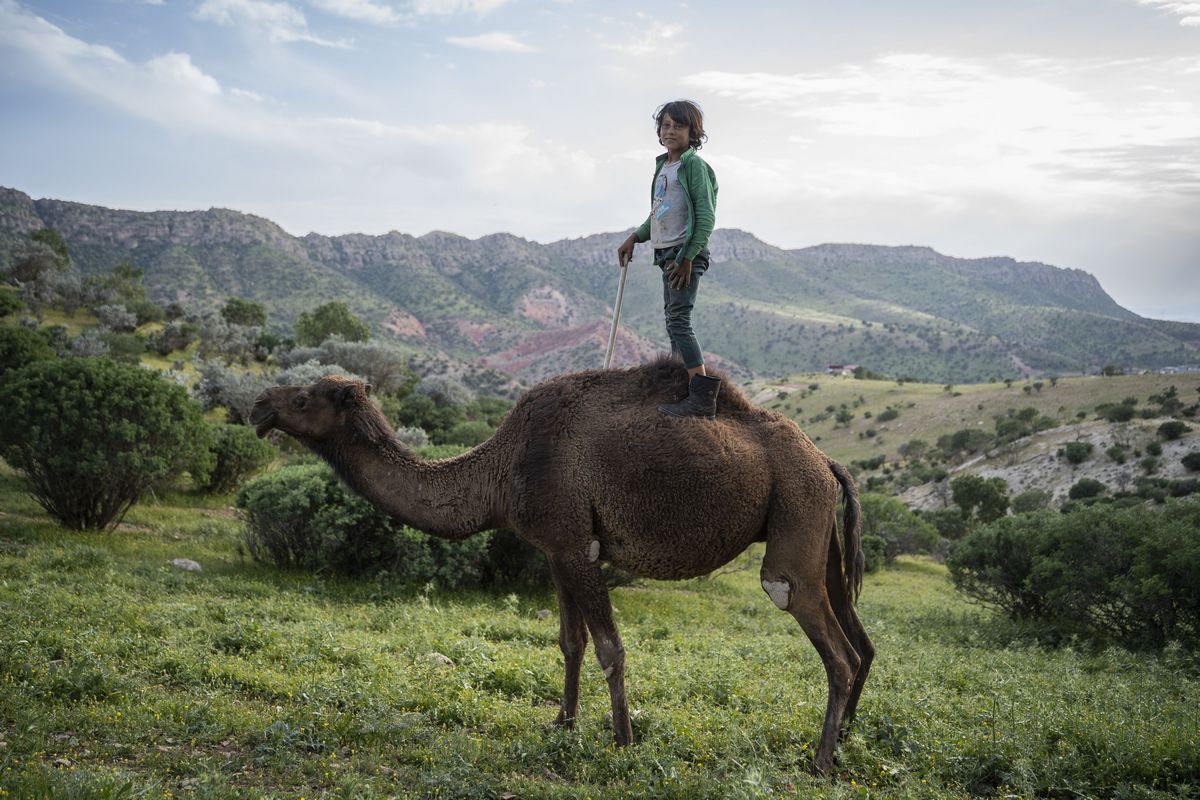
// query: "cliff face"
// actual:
[[538, 309]]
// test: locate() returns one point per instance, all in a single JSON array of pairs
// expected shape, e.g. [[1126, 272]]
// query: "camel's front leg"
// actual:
[[572, 640], [580, 577]]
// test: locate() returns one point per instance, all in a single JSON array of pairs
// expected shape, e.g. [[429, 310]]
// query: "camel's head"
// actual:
[[316, 412]]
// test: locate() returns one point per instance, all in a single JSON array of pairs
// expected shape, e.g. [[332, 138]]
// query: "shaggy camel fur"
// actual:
[[585, 469]]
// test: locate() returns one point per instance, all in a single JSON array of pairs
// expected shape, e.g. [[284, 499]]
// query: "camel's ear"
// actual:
[[344, 396], [367, 389]]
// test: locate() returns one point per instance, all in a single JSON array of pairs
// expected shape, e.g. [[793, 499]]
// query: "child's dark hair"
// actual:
[[683, 112]]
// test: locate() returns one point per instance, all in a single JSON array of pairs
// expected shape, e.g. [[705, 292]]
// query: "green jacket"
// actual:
[[699, 182]]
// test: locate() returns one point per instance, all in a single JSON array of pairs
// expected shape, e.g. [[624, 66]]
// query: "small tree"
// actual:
[[1031, 500], [1086, 488], [984, 498], [1077, 452], [314, 327], [1173, 429], [237, 453], [21, 346], [92, 436], [237, 311]]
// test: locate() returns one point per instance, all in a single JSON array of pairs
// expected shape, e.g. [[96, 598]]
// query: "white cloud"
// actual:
[[445, 8], [177, 69], [361, 11], [644, 36], [1188, 13], [494, 42], [422, 168], [280, 21], [1059, 130], [23, 30]]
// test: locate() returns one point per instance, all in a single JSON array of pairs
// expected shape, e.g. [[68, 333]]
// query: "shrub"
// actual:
[[92, 435], [983, 498], [1085, 488], [1116, 453], [21, 346], [1077, 452], [949, 522], [888, 414], [469, 433], [901, 530], [1173, 429], [9, 303], [1153, 449], [116, 317], [1031, 500], [334, 317], [1126, 575], [1192, 461], [237, 453], [304, 517], [236, 391], [175, 335], [145, 311], [1116, 412], [875, 550]]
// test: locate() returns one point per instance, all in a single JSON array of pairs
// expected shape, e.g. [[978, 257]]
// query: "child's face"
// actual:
[[673, 134]]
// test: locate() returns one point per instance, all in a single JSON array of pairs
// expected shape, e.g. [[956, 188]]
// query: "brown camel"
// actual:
[[586, 469]]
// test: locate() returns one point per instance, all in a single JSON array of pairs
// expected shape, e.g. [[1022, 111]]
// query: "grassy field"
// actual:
[[124, 677], [927, 411]]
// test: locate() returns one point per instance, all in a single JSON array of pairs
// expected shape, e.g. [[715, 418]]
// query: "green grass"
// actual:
[[121, 676]]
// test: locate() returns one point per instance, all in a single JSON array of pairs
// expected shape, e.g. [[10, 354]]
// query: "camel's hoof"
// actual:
[[564, 722]]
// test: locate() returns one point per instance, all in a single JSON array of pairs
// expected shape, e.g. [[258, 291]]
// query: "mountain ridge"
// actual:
[[905, 310]]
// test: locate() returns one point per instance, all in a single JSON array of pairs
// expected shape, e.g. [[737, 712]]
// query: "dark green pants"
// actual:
[[678, 304]]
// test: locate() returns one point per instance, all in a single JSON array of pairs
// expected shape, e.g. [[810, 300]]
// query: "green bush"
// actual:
[[9, 302], [1031, 500], [875, 550], [1192, 461], [1085, 488], [92, 435], [983, 498], [304, 517], [21, 346], [901, 529], [949, 522], [237, 453], [1113, 574], [1077, 452], [469, 433], [1116, 412], [1173, 429]]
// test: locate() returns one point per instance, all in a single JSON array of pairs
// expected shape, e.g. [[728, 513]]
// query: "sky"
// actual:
[[1065, 132]]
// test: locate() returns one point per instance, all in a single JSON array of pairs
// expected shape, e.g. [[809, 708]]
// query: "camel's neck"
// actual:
[[453, 499]]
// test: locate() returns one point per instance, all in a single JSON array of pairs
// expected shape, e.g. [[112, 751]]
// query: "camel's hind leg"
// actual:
[[572, 640], [852, 626], [793, 575]]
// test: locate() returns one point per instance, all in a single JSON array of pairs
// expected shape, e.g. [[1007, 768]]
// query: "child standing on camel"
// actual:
[[683, 206]]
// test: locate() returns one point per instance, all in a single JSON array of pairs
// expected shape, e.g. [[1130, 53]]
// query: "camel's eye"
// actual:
[[299, 402]]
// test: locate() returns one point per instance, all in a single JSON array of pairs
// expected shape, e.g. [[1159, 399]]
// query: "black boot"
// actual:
[[701, 400]]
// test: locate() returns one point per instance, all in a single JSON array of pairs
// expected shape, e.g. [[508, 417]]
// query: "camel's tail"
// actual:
[[853, 560]]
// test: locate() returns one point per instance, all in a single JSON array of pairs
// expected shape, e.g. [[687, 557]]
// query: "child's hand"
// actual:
[[680, 276], [625, 251]]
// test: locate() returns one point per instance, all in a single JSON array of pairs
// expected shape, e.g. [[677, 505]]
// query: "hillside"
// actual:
[[536, 310], [926, 412]]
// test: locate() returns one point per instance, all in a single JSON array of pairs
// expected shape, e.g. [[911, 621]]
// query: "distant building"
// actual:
[[841, 369]]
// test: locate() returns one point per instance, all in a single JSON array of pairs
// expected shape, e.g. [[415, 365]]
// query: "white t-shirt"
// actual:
[[668, 211]]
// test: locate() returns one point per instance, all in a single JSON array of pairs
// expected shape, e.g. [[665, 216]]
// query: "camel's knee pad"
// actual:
[[780, 591]]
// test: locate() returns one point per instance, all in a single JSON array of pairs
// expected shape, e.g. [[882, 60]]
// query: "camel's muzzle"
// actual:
[[262, 416]]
